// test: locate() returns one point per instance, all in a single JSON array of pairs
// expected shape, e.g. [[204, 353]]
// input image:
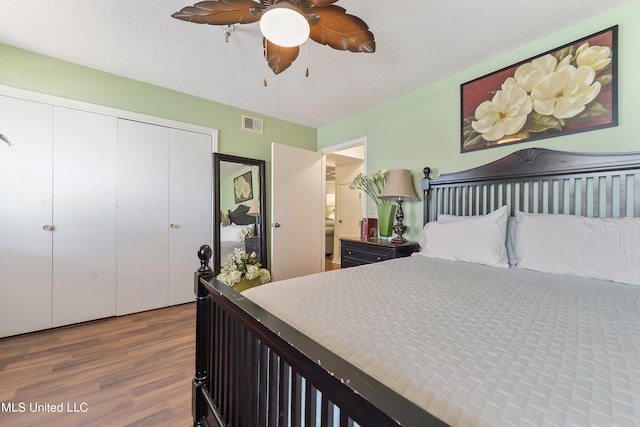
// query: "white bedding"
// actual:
[[477, 345], [227, 247]]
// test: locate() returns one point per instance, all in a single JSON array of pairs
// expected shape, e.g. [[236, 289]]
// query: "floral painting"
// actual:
[[570, 89], [243, 188]]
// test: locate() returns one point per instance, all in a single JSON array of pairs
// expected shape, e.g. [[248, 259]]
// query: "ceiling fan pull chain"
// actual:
[[306, 59], [266, 61], [228, 29]]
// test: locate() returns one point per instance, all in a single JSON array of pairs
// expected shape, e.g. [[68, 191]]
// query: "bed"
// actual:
[[496, 327], [232, 235]]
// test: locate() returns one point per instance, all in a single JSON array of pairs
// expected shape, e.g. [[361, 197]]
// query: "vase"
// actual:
[[386, 214], [245, 284]]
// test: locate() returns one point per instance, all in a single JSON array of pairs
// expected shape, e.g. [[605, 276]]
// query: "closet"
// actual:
[[100, 215], [164, 211]]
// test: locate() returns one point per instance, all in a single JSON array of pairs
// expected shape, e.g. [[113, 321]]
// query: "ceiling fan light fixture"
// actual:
[[285, 25]]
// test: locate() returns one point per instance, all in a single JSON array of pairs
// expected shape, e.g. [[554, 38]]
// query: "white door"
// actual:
[[349, 207], [84, 211], [297, 212], [25, 216], [190, 210], [143, 216]]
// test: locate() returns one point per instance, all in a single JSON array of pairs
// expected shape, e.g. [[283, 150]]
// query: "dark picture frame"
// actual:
[[569, 89], [243, 188]]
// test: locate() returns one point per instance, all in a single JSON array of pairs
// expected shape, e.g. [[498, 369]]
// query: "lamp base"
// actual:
[[399, 229]]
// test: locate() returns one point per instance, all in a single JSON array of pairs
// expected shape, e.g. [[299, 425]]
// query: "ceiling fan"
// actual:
[[286, 24]]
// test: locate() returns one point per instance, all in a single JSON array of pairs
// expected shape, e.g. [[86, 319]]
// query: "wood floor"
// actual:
[[133, 370], [330, 265]]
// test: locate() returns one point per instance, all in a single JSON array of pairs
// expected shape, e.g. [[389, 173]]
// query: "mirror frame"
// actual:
[[217, 159]]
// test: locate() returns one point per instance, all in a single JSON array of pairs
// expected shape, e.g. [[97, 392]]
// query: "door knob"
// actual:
[[276, 225], [47, 227], [173, 225]]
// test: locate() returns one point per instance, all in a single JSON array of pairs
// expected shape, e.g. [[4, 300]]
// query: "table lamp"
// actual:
[[399, 188]]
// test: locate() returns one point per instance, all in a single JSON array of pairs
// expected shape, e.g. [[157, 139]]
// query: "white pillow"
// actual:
[[511, 236], [599, 248], [233, 233], [477, 239]]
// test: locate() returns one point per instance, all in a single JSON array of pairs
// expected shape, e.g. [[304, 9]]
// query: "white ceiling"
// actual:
[[417, 42]]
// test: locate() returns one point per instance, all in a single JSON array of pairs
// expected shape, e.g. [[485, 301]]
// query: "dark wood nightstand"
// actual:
[[355, 252], [252, 244]]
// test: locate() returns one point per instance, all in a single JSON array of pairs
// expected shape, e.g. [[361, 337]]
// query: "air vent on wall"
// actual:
[[252, 124]]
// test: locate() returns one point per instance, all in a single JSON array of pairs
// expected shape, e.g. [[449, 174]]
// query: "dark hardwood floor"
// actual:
[[330, 265], [133, 370]]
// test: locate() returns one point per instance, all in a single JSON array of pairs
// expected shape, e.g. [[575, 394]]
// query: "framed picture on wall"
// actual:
[[573, 88], [243, 188]]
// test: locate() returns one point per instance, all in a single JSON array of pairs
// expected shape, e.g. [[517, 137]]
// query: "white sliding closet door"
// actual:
[[84, 207], [25, 216], [190, 218], [143, 218]]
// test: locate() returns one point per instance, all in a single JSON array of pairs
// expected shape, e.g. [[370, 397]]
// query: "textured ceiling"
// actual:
[[417, 41]]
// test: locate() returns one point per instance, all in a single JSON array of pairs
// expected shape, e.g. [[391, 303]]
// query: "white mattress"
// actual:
[[476, 345]]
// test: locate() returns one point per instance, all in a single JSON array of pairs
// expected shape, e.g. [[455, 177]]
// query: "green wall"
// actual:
[[416, 130], [422, 128], [27, 70], [30, 71]]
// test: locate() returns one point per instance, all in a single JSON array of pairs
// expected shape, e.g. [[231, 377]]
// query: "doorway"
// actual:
[[344, 207]]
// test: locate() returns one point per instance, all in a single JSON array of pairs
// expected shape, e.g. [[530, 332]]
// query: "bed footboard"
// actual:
[[254, 370]]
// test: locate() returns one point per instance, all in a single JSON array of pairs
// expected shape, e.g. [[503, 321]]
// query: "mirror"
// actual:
[[239, 208]]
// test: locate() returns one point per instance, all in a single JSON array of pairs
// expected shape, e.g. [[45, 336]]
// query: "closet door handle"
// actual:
[[173, 225], [47, 227], [276, 225]]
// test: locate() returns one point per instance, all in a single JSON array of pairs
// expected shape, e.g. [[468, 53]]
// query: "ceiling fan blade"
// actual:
[[279, 58], [339, 30], [320, 3], [221, 12]]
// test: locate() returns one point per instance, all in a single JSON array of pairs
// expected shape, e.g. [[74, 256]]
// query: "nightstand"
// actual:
[[252, 244], [355, 252]]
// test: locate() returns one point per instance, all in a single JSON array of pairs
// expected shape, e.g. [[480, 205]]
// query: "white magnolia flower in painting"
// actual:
[[543, 97], [530, 74], [596, 57], [505, 114], [564, 93], [242, 187]]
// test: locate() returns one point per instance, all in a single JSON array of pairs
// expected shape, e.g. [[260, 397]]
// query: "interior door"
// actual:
[[190, 216], [84, 208], [297, 212], [143, 217], [25, 216]]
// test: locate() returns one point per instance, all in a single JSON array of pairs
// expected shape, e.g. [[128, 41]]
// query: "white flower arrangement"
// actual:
[[542, 96], [372, 185], [241, 264]]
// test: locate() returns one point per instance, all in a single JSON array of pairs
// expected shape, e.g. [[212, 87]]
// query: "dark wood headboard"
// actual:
[[538, 180], [239, 216]]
